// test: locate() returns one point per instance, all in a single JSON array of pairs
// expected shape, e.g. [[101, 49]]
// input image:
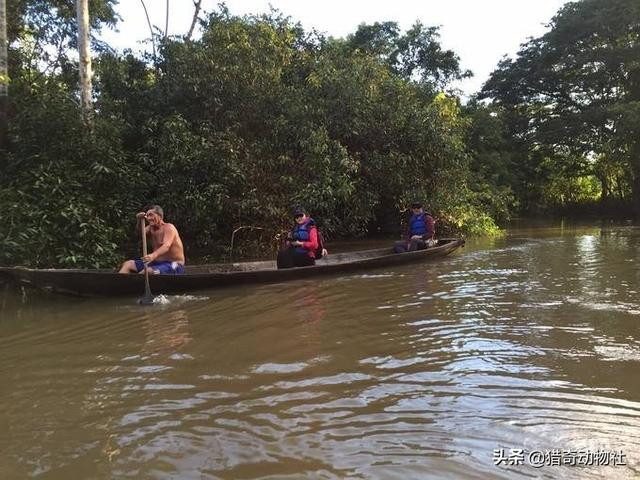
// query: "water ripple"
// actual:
[[530, 342]]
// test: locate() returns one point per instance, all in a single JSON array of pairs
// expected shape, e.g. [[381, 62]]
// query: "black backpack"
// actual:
[[320, 248]]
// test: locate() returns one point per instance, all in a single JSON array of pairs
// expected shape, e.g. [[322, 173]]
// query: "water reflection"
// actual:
[[308, 304], [414, 372], [167, 333]]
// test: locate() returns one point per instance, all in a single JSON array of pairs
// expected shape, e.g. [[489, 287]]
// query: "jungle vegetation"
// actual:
[[230, 126]]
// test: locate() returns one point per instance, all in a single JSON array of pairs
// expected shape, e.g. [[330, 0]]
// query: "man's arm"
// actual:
[[169, 237]]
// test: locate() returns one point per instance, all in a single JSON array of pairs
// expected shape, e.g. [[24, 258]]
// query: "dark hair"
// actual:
[[416, 205], [157, 209]]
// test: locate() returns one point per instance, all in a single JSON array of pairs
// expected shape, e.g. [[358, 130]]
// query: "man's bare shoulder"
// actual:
[[170, 227]]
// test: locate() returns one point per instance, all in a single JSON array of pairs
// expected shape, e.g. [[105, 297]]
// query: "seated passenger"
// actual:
[[421, 230], [302, 242], [168, 251]]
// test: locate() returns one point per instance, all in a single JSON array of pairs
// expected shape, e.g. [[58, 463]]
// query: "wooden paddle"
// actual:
[[147, 299]]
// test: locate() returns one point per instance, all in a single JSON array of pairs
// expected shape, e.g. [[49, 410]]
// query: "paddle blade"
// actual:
[[147, 299]]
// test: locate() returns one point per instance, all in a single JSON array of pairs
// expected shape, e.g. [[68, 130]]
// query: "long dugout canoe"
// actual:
[[100, 282]]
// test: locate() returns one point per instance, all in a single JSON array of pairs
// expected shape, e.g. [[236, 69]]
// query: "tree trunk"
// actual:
[[166, 22], [4, 75], [635, 182], [606, 187], [197, 4], [153, 42], [85, 61]]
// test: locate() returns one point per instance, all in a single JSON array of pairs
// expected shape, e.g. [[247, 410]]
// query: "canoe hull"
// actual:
[[110, 283]]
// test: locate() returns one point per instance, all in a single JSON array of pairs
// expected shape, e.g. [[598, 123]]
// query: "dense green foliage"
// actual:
[[232, 129], [570, 103], [226, 131]]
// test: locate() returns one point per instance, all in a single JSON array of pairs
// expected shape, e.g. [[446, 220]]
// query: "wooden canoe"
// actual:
[[197, 277]]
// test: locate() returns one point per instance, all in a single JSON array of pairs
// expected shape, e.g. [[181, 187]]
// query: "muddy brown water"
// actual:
[[527, 342]]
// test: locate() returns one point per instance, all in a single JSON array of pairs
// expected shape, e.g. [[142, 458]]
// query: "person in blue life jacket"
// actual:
[[421, 230], [302, 245]]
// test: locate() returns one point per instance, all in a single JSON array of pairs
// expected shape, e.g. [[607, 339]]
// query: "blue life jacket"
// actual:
[[418, 224], [301, 233]]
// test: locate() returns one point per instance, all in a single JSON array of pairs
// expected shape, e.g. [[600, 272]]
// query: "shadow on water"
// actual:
[[527, 341]]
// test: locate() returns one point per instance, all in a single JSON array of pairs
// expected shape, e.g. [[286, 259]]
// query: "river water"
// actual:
[[458, 368]]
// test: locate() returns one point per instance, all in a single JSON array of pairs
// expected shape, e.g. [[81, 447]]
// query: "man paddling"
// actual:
[[168, 252]]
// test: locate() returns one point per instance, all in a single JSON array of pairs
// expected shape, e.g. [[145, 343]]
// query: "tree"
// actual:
[[575, 92], [417, 55], [84, 61], [4, 74], [494, 172]]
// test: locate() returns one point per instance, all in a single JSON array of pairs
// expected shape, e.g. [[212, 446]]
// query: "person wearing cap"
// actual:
[[301, 243], [421, 229]]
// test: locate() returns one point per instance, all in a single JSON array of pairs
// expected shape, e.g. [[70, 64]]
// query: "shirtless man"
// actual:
[[168, 252]]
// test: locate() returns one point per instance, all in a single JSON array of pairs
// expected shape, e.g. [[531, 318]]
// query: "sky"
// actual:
[[481, 32]]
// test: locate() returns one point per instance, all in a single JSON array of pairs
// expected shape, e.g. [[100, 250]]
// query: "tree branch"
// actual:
[[243, 227], [166, 21], [197, 4], [153, 42]]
